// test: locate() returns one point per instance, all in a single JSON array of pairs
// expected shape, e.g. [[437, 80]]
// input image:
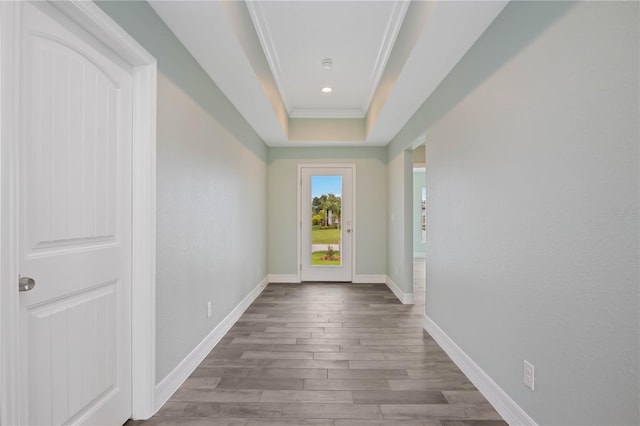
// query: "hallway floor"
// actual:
[[328, 354]]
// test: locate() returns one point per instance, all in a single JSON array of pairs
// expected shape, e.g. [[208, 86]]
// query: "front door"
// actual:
[[75, 225], [327, 228]]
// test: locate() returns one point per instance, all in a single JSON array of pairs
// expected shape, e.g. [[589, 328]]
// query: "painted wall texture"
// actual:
[[400, 224], [211, 186], [371, 205], [532, 188]]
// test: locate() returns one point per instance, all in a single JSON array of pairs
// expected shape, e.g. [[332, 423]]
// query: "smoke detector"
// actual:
[[327, 63]]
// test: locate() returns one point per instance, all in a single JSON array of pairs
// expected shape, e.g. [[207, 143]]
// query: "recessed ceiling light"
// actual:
[[327, 90], [327, 63]]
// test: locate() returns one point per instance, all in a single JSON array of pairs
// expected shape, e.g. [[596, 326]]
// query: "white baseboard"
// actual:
[[369, 279], [405, 298], [176, 378], [284, 278], [504, 405]]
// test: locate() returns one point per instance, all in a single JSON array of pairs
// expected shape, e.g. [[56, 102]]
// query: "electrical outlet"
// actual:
[[529, 377], [209, 309]]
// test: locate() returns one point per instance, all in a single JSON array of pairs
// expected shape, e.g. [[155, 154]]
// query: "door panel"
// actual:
[[73, 168], [75, 233], [326, 223], [84, 368]]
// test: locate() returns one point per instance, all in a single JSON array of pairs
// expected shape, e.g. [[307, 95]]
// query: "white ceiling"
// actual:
[[356, 35], [388, 57]]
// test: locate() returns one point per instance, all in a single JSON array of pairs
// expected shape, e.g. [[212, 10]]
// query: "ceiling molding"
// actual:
[[213, 35], [263, 31], [451, 29], [205, 29], [391, 33], [264, 34], [327, 113]]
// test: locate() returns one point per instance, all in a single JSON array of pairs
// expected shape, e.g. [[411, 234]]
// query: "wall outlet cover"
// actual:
[[529, 375]]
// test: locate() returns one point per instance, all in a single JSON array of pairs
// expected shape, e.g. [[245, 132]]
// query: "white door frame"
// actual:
[[97, 23], [353, 213]]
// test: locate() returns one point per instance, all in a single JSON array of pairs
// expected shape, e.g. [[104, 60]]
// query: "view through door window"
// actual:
[[326, 226]]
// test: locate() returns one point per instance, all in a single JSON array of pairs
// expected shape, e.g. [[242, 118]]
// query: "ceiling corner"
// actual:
[[264, 35], [394, 24]]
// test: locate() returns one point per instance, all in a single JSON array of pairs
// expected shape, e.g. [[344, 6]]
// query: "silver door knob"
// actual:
[[348, 231], [26, 284]]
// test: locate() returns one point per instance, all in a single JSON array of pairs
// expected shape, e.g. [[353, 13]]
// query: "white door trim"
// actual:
[[97, 23], [353, 214]]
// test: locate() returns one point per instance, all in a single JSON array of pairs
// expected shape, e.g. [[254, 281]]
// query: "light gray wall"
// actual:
[[371, 202], [211, 186], [400, 224], [532, 188], [418, 184]]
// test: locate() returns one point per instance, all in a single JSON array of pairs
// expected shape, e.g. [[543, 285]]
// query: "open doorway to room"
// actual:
[[419, 226]]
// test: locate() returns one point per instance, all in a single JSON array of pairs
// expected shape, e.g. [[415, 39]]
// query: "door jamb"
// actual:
[[144, 70], [353, 213]]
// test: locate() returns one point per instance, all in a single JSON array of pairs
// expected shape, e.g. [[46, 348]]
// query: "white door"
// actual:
[[327, 223], [75, 225]]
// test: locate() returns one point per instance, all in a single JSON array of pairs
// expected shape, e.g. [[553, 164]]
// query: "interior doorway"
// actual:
[[419, 226]]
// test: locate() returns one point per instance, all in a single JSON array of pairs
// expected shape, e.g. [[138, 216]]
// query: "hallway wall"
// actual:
[[400, 224], [532, 188], [371, 205], [211, 194]]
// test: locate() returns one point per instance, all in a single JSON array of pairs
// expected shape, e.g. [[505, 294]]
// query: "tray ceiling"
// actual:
[[388, 57]]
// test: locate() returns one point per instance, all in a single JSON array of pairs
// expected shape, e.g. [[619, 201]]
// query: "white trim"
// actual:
[[369, 279], [299, 224], [176, 378], [353, 211], [392, 29], [268, 46], [354, 222], [143, 295], [404, 298], [511, 412], [386, 46], [11, 406], [284, 278], [418, 141], [99, 25], [102, 27], [326, 113]]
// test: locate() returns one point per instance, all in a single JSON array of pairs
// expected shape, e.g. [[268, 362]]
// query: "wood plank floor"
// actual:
[[328, 354]]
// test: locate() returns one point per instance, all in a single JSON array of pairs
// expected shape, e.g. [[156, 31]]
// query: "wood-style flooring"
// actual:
[[328, 354]]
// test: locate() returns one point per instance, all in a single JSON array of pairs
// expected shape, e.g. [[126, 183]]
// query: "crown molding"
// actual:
[[326, 113], [386, 46], [391, 33], [264, 35]]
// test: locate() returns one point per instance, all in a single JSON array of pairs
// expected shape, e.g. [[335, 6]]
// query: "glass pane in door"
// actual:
[[326, 226]]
